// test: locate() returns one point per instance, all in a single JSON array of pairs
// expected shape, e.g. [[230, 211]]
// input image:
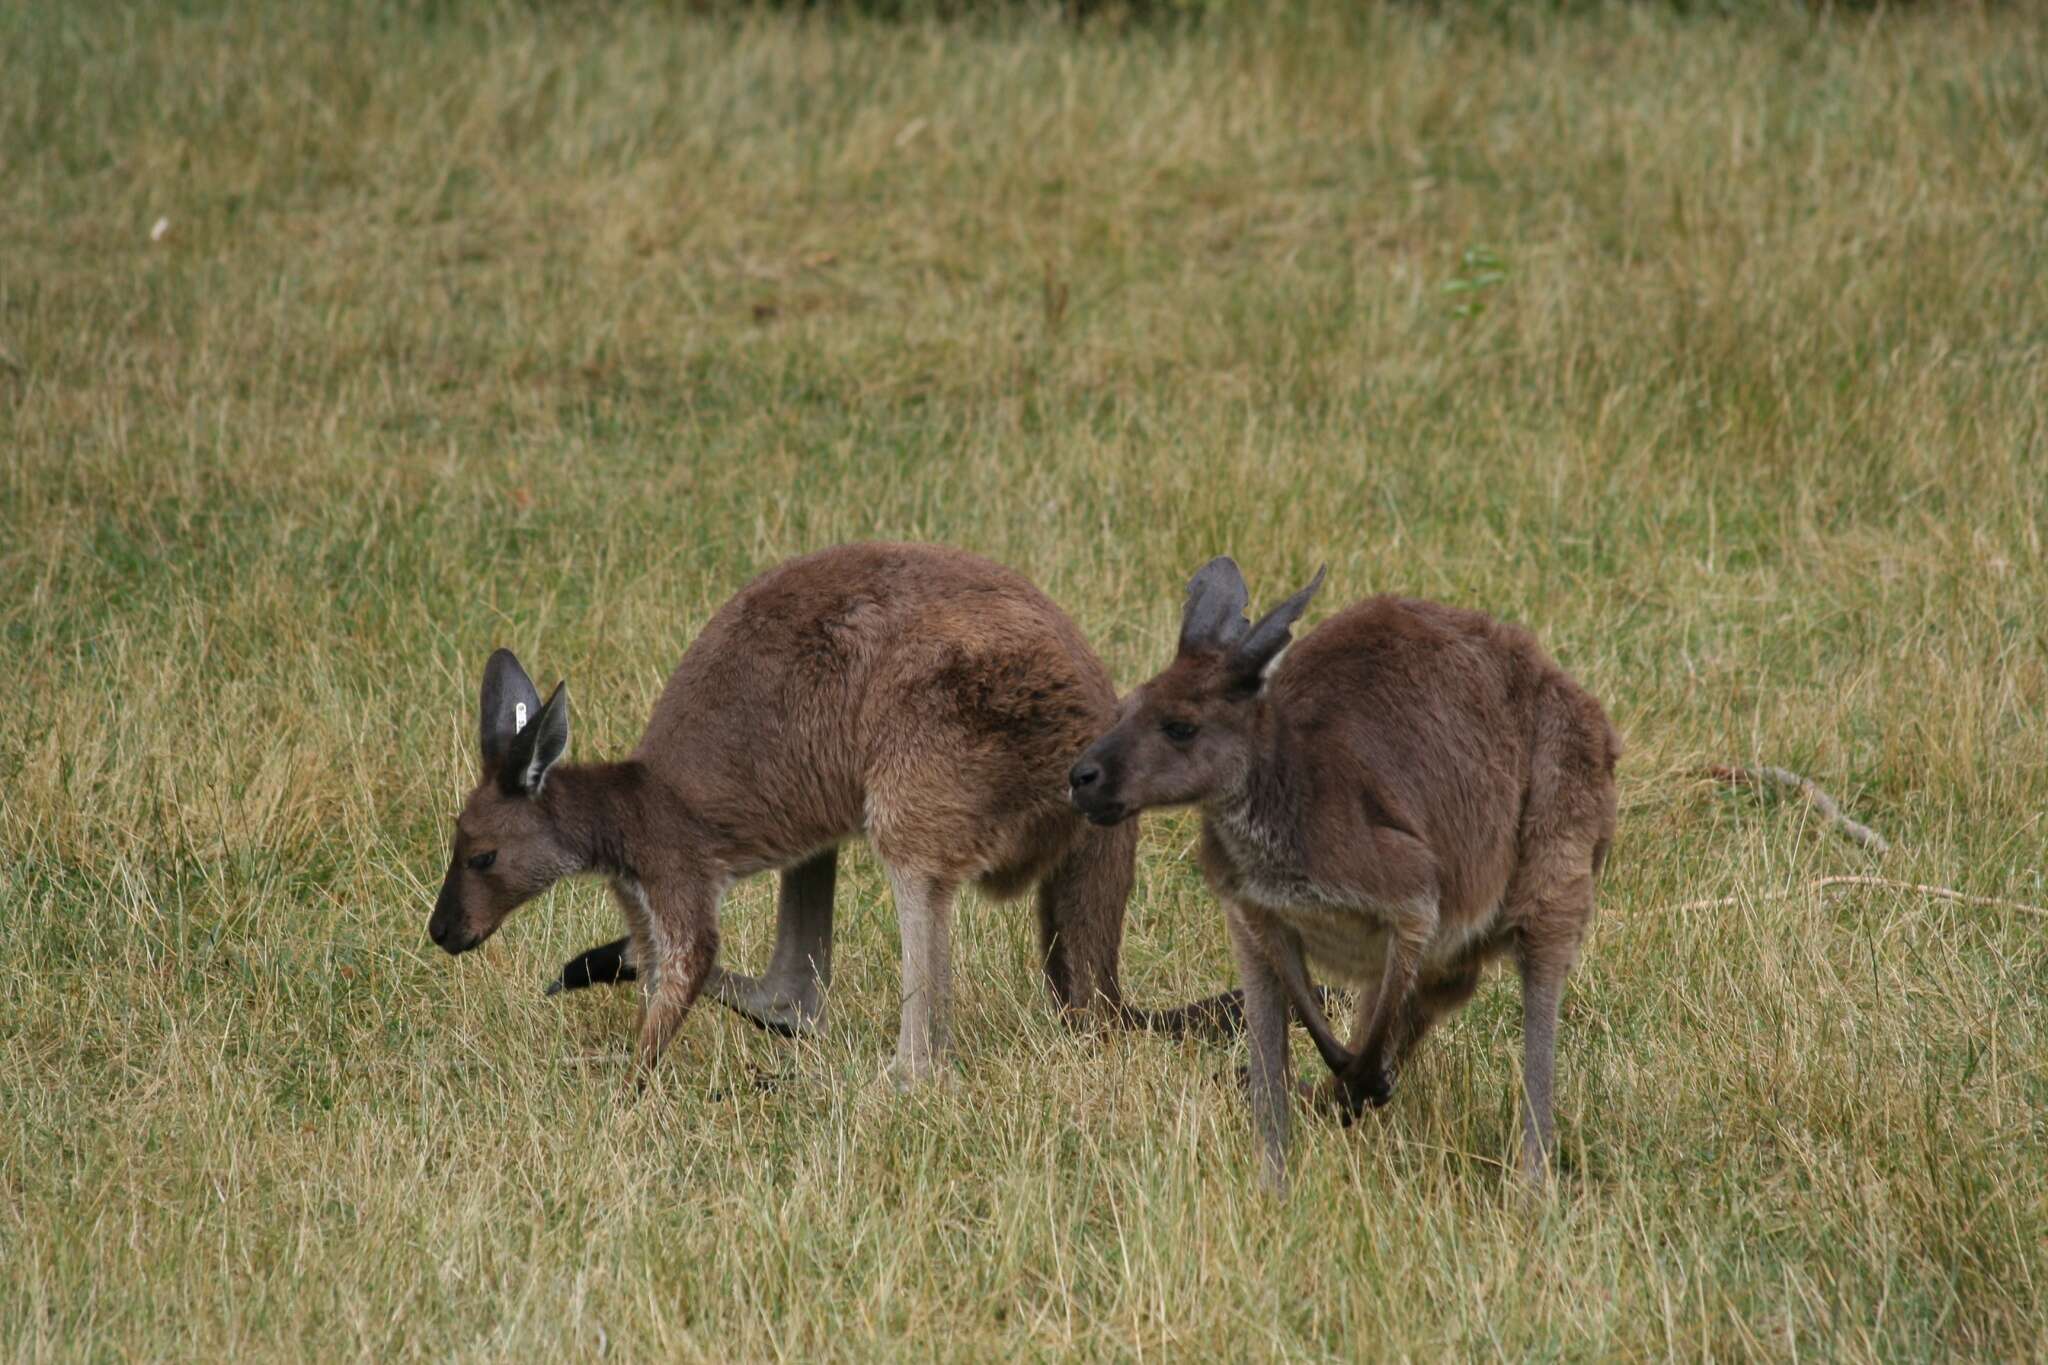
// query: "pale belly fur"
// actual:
[[1346, 941], [1348, 944], [1345, 946]]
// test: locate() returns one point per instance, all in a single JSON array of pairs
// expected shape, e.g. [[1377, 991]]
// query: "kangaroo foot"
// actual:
[[1216, 1019], [787, 1005]]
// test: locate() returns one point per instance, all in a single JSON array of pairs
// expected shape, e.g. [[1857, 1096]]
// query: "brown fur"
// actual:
[[920, 696], [1412, 791]]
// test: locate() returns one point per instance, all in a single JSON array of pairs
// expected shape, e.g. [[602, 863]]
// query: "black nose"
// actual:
[[1084, 774], [437, 929]]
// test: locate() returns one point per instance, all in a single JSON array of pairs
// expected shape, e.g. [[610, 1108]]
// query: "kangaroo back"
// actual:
[[922, 695]]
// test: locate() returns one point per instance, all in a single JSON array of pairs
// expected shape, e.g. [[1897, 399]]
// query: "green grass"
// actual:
[[1715, 351]]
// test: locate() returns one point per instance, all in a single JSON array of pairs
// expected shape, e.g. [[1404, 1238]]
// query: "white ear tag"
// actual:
[[518, 716]]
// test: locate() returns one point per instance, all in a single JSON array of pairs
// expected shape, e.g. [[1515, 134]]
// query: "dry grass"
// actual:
[[549, 326]]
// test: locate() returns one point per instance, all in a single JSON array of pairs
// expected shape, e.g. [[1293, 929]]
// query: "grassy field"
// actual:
[[340, 343]]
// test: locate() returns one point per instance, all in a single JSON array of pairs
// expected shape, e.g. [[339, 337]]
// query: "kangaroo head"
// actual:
[[1190, 733], [508, 846]]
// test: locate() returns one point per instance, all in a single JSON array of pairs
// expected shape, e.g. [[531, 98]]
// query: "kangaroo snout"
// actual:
[[446, 927], [452, 938], [1088, 788], [447, 936]]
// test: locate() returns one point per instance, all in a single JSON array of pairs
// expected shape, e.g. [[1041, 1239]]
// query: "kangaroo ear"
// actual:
[[1263, 642], [1214, 615], [534, 750], [510, 705]]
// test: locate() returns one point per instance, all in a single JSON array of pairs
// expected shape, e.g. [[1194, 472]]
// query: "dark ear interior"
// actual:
[[1266, 639], [510, 704], [535, 749], [1214, 615], [550, 733]]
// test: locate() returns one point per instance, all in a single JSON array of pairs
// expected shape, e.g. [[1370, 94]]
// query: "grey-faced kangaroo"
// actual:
[[1412, 791], [920, 696]]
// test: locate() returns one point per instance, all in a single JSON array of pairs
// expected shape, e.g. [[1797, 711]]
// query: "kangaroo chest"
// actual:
[[1267, 866], [1344, 931], [1342, 934]]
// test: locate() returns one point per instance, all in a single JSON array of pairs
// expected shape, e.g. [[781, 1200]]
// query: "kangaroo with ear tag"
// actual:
[[920, 697]]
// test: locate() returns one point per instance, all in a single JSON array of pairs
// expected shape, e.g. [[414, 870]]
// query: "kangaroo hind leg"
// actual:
[[924, 914], [1551, 923], [790, 998]]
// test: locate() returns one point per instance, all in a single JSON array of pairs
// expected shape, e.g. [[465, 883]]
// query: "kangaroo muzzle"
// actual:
[[447, 926], [1091, 787]]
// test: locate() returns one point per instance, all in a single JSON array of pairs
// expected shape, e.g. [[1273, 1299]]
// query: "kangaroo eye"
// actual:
[[482, 861], [1179, 731]]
